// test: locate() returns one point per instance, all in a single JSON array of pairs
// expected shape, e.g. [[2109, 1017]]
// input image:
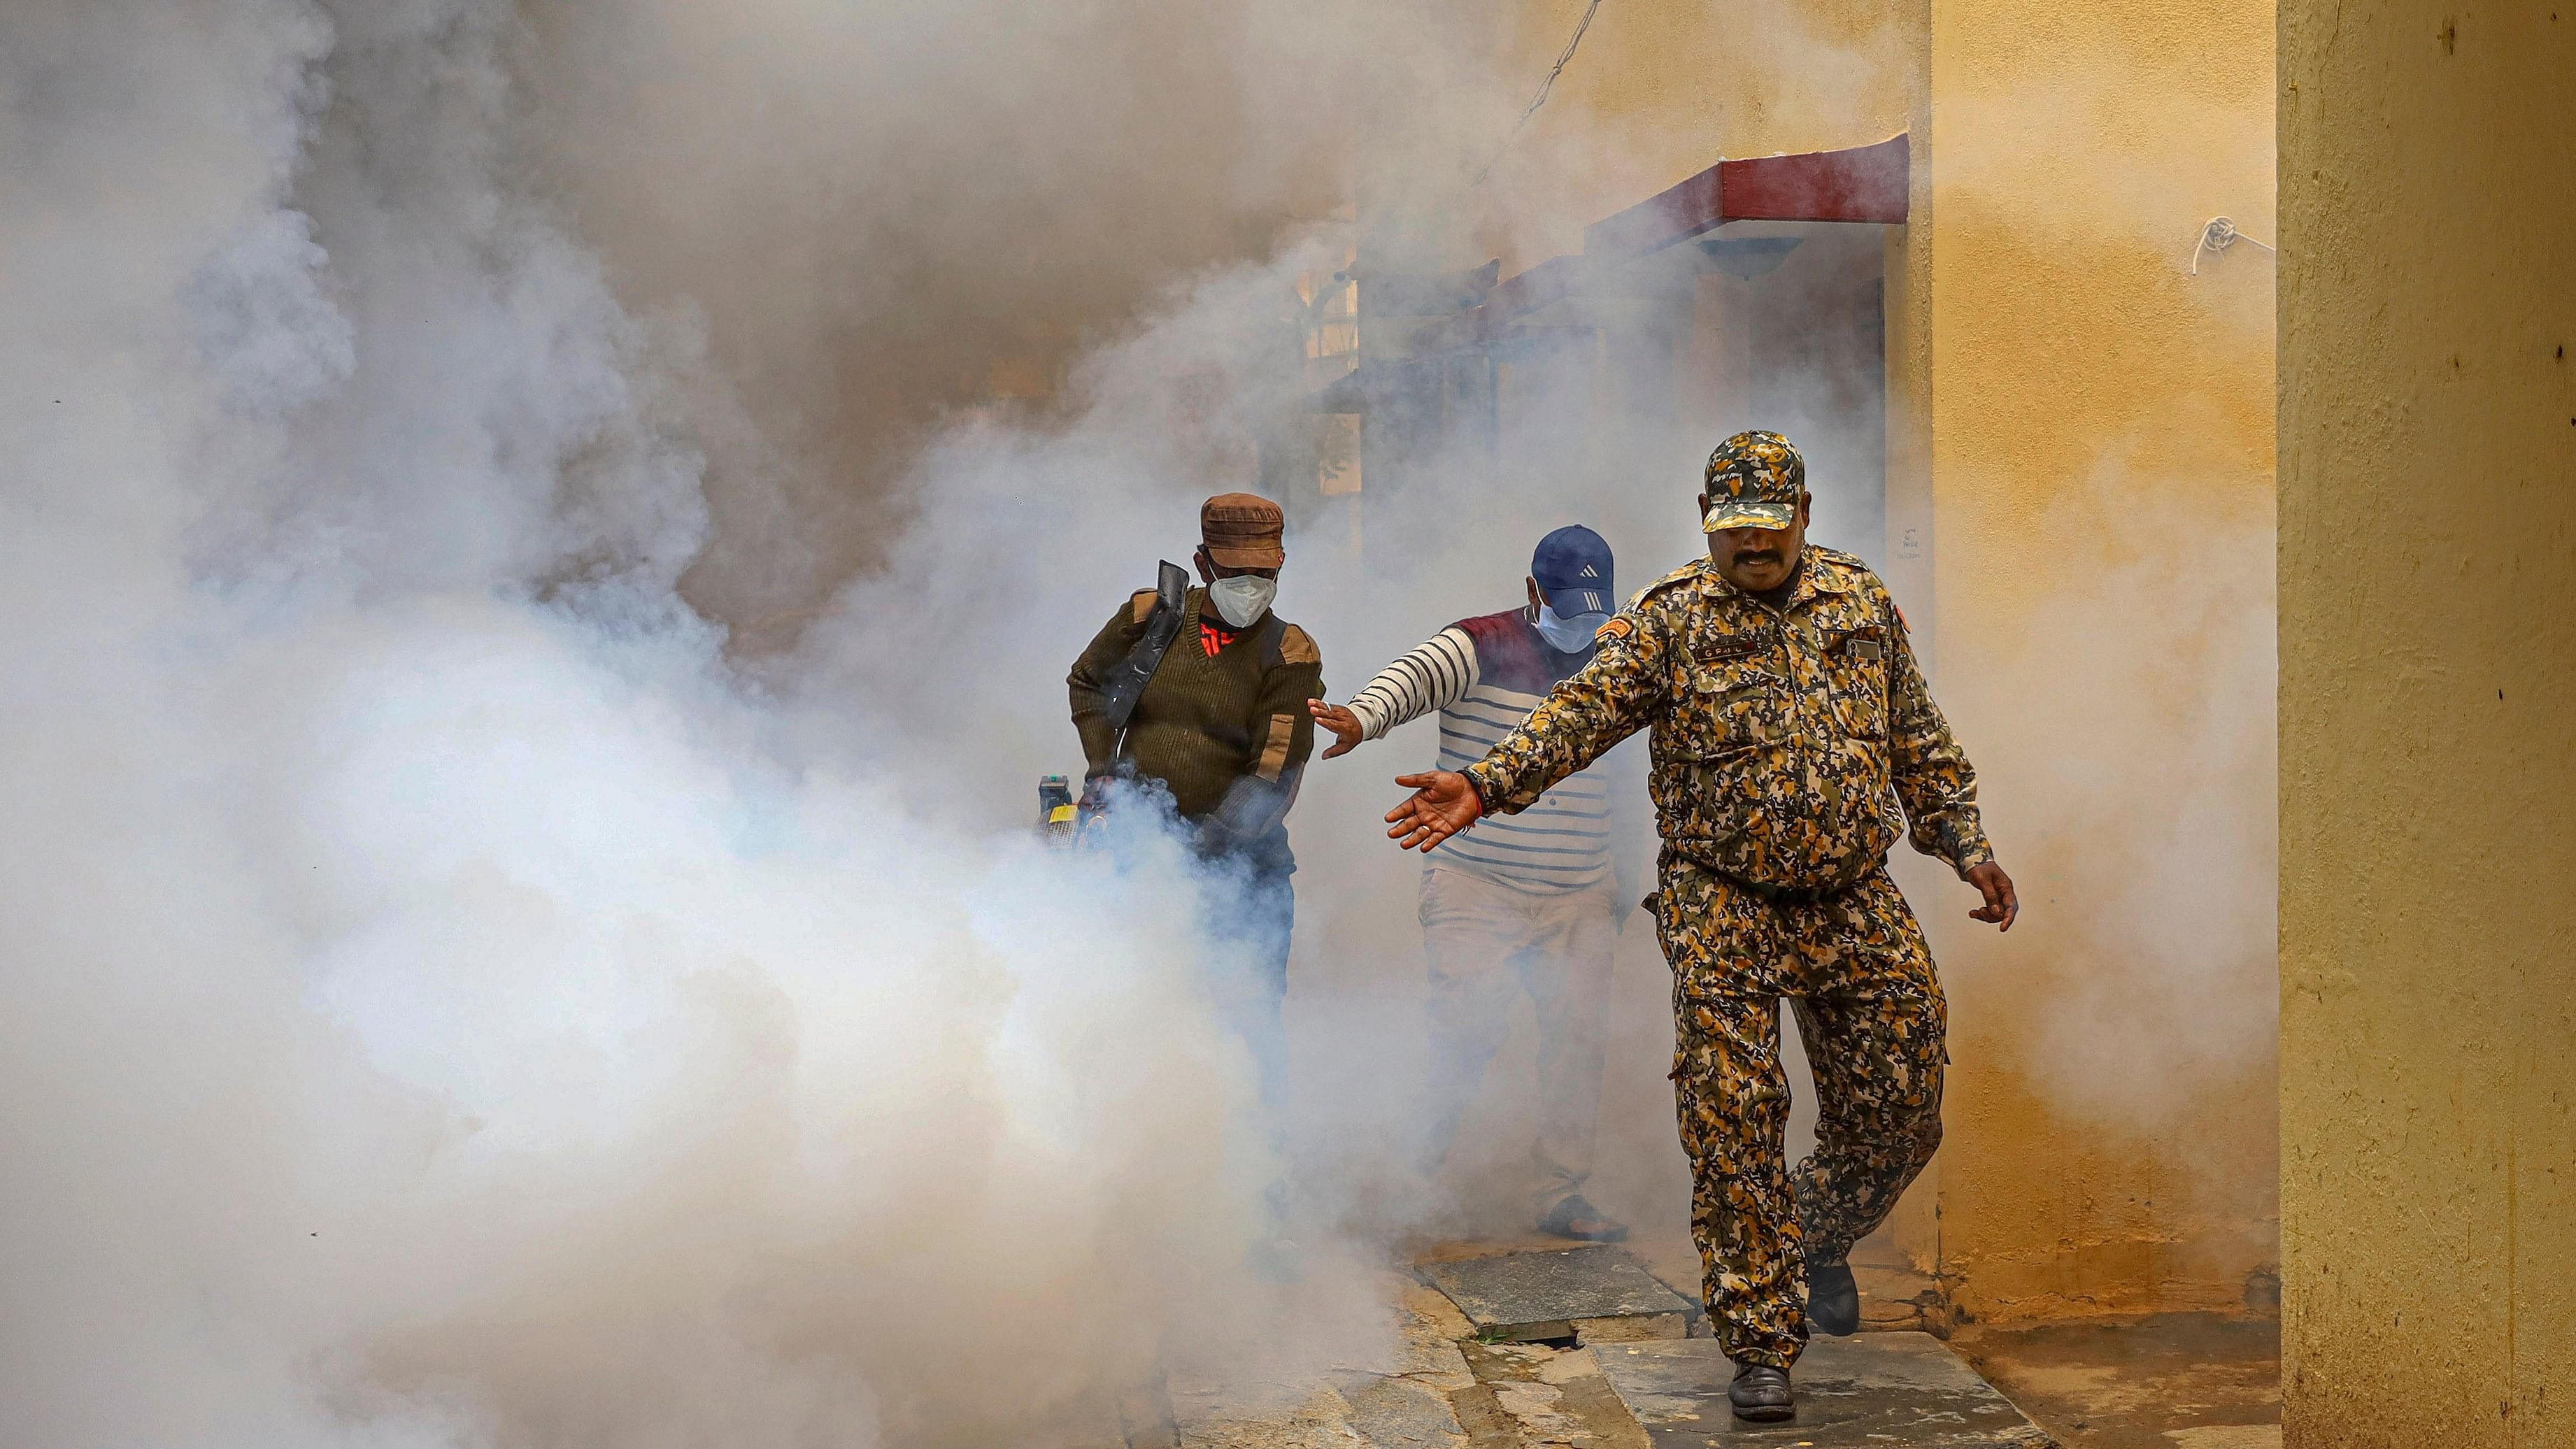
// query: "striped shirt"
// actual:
[[1484, 676]]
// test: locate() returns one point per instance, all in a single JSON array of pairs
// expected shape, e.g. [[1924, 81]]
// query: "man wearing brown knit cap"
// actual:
[[1223, 725]]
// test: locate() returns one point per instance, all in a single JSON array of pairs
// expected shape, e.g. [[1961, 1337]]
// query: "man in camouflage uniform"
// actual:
[[1794, 740]]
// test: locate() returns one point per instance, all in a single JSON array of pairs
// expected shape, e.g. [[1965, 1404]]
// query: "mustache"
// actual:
[[1756, 555]]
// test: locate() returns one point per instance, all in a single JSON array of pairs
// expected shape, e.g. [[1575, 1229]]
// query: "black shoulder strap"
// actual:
[[1272, 640], [1127, 682]]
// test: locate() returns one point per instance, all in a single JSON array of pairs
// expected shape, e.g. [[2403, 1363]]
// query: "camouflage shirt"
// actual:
[[1787, 739]]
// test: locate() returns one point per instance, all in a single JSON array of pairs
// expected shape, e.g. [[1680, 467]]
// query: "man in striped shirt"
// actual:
[[1529, 902]]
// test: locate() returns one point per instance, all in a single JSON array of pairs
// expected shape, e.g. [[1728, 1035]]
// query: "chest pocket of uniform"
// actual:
[[1856, 668], [1732, 697]]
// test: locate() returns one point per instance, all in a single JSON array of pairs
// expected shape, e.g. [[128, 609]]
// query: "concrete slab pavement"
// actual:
[[1872, 1391], [2169, 1381]]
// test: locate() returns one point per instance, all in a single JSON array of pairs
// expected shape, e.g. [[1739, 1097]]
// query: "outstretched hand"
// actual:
[[2001, 906], [1344, 725], [1442, 804]]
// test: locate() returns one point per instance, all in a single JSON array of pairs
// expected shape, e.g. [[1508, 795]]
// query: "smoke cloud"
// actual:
[[446, 1004]]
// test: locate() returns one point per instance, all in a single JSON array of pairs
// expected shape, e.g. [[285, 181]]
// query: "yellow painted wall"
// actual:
[[2083, 440], [2428, 704], [2101, 443]]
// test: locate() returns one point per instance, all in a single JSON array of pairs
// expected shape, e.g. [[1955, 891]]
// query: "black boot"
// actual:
[[1833, 1299], [1761, 1394]]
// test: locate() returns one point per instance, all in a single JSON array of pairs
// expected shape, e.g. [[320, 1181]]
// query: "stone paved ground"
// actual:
[[1442, 1384], [1554, 1396], [1404, 1402]]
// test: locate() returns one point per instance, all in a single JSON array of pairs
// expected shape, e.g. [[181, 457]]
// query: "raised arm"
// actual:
[[1609, 699], [1424, 680], [1604, 702]]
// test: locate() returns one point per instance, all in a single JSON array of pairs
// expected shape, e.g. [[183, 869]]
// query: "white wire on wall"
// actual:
[[2218, 236]]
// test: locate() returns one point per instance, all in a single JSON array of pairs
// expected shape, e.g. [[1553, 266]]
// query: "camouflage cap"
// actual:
[[1753, 481]]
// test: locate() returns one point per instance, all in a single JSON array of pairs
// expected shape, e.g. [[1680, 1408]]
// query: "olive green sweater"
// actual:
[[1226, 704]]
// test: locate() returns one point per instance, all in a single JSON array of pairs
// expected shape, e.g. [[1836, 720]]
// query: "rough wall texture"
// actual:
[[2428, 649], [2101, 463]]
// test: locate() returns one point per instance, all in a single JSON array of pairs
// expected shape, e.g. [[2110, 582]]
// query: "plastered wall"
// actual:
[[2068, 406], [2428, 655], [2101, 468]]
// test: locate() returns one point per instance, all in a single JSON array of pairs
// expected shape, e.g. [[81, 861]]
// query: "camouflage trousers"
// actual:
[[1871, 1016]]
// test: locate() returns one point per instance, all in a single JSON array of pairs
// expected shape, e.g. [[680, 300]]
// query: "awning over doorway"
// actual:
[[1862, 183], [1857, 184]]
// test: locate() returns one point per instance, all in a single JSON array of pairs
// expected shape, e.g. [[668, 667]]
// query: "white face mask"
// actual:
[[1243, 598], [1569, 636]]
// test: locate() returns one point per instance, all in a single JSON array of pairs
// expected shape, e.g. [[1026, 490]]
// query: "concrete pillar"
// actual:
[[2428, 722]]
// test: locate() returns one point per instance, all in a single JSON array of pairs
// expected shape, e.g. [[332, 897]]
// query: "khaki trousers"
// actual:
[[1486, 943]]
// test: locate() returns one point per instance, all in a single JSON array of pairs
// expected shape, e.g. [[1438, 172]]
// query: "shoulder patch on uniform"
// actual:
[[1141, 605], [1616, 627], [1296, 648]]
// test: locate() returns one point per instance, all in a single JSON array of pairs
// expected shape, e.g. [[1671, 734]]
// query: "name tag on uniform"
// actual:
[[1718, 651], [1868, 649]]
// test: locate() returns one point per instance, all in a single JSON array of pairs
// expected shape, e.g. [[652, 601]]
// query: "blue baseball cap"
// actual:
[[1572, 566]]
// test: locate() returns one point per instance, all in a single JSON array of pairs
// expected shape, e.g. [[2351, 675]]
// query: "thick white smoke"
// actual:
[[442, 1006]]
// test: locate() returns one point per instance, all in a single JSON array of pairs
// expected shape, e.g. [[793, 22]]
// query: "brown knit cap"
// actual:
[[1241, 531]]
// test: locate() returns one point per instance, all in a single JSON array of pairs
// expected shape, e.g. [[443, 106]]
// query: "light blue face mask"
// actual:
[[1569, 636]]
